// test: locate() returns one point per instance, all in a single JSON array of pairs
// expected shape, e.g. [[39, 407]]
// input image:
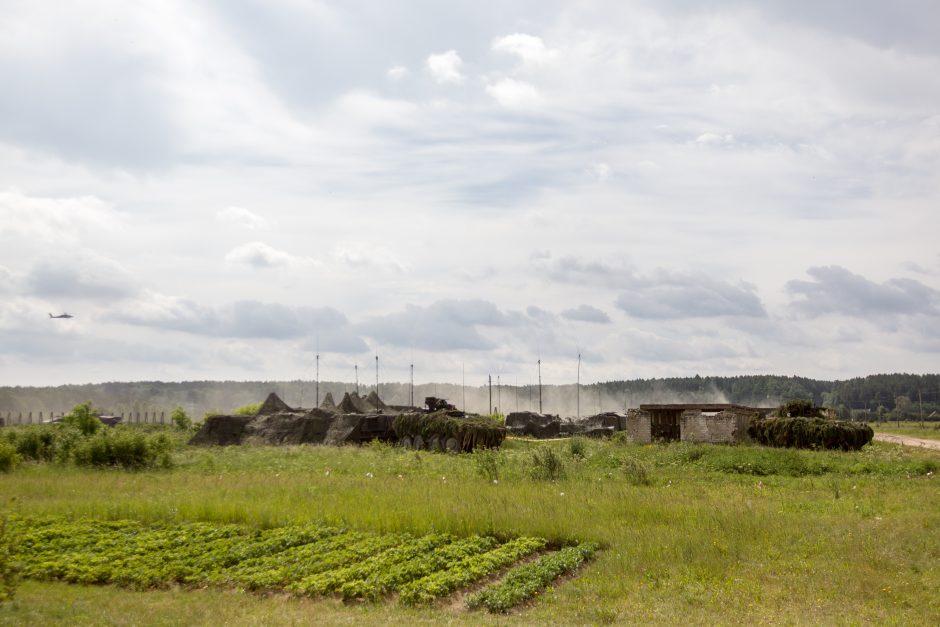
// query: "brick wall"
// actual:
[[638, 426], [720, 428]]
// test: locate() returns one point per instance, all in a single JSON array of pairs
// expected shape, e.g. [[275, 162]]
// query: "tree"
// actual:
[[903, 407], [181, 419], [84, 418]]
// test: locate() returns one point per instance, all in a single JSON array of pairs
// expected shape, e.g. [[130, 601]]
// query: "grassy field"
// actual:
[[689, 533], [930, 430]]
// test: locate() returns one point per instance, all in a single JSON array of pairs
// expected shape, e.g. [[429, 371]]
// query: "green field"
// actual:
[[688, 533], [929, 430]]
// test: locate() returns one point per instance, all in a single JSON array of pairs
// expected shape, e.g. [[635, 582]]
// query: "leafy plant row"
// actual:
[[527, 580], [304, 559]]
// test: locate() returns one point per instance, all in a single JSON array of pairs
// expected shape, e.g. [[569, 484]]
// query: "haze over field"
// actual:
[[220, 190]]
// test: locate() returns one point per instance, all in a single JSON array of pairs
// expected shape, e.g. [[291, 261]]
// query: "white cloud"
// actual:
[[714, 139], [514, 94], [243, 218], [397, 72], [445, 67], [528, 48], [261, 256], [48, 220], [601, 171]]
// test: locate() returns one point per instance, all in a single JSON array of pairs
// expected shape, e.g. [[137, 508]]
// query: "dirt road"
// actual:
[[907, 441]]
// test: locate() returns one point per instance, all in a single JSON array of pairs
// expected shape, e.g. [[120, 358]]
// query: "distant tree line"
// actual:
[[885, 396]]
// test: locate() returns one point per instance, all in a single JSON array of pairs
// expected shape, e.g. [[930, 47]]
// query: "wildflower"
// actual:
[[327, 472], [443, 478], [561, 494], [369, 475], [495, 481], [401, 476]]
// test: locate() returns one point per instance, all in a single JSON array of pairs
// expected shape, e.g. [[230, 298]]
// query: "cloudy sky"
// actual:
[[218, 190]]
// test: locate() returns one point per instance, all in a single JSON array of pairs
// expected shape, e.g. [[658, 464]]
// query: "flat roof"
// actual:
[[703, 407]]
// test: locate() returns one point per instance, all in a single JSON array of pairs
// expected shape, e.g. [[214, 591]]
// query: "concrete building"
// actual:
[[717, 423]]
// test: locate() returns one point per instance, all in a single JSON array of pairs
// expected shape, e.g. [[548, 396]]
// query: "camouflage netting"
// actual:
[[328, 403], [355, 420], [448, 430], [814, 433]]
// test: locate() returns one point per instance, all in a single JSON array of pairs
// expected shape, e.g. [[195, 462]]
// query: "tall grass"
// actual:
[[716, 534]]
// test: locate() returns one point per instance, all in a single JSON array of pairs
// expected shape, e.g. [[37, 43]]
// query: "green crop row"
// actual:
[[308, 560], [527, 580], [468, 570]]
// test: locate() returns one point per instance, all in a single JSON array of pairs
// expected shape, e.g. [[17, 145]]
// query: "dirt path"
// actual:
[[907, 441]]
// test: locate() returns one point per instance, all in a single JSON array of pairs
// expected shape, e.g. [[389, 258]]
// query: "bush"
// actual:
[[127, 449], [488, 462], [181, 419], [83, 418], [9, 570], [8, 457], [814, 433], [546, 464], [247, 410], [635, 472], [577, 446]]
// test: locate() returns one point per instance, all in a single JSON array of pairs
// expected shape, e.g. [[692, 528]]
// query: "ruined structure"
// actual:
[[718, 423]]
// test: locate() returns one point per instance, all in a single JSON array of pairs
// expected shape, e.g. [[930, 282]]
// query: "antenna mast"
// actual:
[[540, 385], [578, 387], [318, 379], [356, 366]]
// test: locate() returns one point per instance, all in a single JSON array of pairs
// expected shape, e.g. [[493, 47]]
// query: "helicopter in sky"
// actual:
[[62, 315]]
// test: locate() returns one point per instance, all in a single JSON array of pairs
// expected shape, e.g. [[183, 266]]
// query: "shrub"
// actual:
[[9, 569], [127, 449], [181, 419], [247, 410], [815, 433], [621, 438], [8, 457], [635, 471], [84, 418], [577, 446], [488, 461], [546, 464]]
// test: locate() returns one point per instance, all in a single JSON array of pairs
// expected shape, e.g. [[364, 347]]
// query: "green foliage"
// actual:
[[43, 443], [9, 567], [303, 559], [8, 457], [488, 462], [635, 471], [526, 581], [815, 433], [546, 464], [84, 418], [466, 571], [247, 410], [127, 449], [577, 446], [471, 432], [181, 419]]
